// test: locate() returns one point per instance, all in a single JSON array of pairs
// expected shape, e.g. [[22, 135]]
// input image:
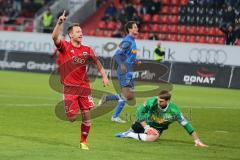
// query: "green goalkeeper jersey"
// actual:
[[160, 119]]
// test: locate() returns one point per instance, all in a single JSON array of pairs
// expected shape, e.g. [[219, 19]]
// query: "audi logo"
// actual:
[[208, 56], [77, 60]]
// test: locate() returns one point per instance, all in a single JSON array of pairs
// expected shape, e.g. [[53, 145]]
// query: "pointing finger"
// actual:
[[64, 12]]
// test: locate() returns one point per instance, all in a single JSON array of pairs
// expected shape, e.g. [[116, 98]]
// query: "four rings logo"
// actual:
[[77, 60], [208, 56]]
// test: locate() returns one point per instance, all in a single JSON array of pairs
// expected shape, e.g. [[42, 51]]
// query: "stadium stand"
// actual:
[[18, 15], [175, 20]]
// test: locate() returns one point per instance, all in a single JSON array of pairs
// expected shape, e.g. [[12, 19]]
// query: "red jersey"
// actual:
[[73, 64]]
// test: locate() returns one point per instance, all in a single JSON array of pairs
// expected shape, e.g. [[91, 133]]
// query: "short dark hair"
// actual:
[[164, 94], [129, 25], [70, 27]]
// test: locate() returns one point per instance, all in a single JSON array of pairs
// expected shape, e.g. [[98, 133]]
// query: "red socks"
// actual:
[[84, 132]]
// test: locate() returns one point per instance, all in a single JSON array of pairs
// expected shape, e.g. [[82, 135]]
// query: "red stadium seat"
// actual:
[[155, 28], [219, 32], [90, 32], [108, 33], [156, 18], [10, 28], [182, 38], [193, 30], [211, 31], [201, 30], [165, 2], [28, 29], [1, 27], [192, 39], [146, 17], [146, 36], [168, 36], [164, 10], [145, 28], [172, 37], [164, 19], [99, 33], [175, 2], [111, 25], [173, 19], [182, 29], [164, 28], [173, 28], [211, 40], [174, 10], [162, 36], [102, 24], [202, 39], [19, 20], [183, 2], [220, 40]]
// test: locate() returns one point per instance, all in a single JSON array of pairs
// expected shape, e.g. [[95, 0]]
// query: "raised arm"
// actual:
[[57, 29]]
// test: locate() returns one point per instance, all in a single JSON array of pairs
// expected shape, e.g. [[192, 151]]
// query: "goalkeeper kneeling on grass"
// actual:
[[154, 116]]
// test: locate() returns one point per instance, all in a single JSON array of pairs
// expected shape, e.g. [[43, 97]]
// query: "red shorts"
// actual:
[[74, 103]]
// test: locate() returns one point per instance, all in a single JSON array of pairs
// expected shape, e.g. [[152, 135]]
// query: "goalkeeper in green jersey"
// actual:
[[154, 116]]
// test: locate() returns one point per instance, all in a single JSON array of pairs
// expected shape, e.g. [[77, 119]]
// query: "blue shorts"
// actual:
[[125, 81]]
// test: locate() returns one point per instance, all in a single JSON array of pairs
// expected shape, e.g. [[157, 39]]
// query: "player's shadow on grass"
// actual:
[[48, 141]]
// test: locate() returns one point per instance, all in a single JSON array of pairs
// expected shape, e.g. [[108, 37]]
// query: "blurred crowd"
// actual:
[[230, 17], [14, 8], [130, 11], [229, 23]]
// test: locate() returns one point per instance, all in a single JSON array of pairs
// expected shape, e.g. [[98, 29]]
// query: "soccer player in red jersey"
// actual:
[[74, 58]]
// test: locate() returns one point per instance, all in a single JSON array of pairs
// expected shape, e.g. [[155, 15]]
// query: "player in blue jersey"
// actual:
[[125, 57]]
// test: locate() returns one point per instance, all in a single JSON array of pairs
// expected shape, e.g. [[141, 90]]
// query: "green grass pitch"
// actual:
[[29, 128]]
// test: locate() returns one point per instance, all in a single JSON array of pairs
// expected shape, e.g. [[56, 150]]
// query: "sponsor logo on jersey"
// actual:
[[134, 51], [85, 54], [78, 60]]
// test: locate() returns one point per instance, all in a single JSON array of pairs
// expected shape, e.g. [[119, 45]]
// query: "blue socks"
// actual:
[[112, 97], [119, 107]]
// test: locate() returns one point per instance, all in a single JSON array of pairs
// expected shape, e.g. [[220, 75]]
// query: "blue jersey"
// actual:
[[126, 54]]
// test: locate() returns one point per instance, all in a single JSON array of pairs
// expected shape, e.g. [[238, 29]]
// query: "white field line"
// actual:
[[222, 131]]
